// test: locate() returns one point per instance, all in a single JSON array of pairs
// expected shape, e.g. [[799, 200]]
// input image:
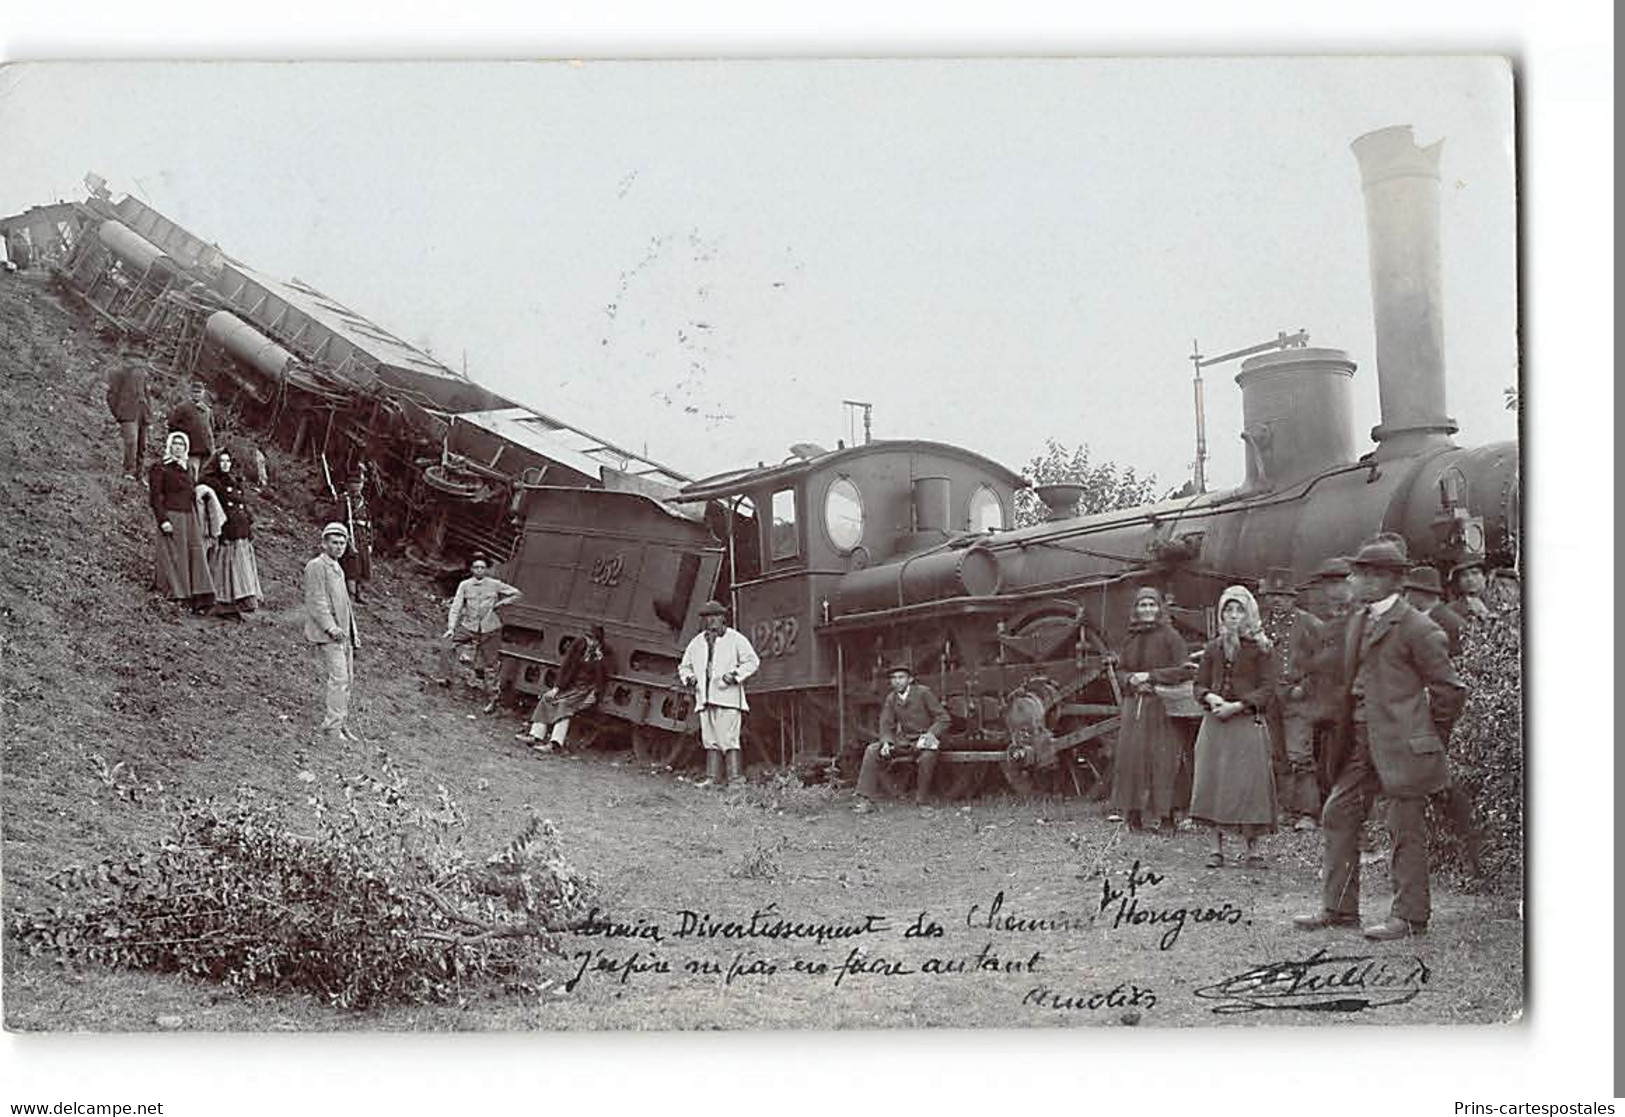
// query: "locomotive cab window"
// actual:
[[843, 514], [986, 510], [785, 538]]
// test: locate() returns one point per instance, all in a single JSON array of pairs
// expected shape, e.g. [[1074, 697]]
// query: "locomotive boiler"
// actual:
[[839, 563]]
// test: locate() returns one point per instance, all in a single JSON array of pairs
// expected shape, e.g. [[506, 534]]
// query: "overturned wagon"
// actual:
[[631, 564]]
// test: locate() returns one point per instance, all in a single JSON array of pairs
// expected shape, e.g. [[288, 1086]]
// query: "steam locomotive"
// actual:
[[839, 563]]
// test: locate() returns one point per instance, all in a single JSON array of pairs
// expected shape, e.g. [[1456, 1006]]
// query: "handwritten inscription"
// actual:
[[1128, 908], [1121, 995], [1009, 940], [1322, 982]]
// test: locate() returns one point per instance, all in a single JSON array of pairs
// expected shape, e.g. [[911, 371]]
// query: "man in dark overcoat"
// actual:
[[195, 419], [1330, 598], [1297, 635], [1424, 591], [127, 400], [912, 722], [1402, 696]]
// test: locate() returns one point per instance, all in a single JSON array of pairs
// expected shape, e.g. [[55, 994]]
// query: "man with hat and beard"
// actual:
[[1297, 636], [1401, 696], [330, 627], [912, 721], [716, 664]]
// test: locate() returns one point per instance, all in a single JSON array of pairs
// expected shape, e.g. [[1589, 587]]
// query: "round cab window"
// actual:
[[986, 512], [843, 514]]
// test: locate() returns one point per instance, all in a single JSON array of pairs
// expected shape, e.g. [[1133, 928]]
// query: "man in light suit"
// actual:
[[330, 626], [1401, 695], [716, 664]]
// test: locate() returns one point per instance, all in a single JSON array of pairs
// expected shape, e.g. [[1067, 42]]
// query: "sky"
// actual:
[[700, 261]]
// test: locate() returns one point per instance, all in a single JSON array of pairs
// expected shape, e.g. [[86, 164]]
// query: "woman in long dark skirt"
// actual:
[[1234, 785], [1147, 761], [232, 564], [181, 567]]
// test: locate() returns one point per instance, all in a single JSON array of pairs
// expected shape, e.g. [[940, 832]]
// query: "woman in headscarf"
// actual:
[[232, 563], [1234, 784], [1147, 759], [575, 688], [182, 569]]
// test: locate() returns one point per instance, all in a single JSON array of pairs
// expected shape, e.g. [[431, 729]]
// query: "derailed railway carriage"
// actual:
[[838, 563]]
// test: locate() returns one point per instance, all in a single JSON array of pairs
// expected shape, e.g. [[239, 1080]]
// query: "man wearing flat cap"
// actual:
[[912, 721], [716, 664], [330, 627], [1401, 694]]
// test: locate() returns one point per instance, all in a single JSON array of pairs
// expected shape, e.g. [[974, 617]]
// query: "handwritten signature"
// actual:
[[1321, 982]]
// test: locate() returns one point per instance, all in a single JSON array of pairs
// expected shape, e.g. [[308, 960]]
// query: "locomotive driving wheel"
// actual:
[[1074, 775], [661, 748]]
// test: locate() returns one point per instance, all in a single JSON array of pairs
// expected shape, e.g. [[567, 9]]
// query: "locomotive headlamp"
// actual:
[[1459, 536]]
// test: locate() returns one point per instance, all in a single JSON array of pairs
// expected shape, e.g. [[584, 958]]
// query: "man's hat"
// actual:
[[1278, 579], [1424, 578], [1381, 555], [1466, 564], [1332, 570], [713, 609], [335, 528], [903, 667]]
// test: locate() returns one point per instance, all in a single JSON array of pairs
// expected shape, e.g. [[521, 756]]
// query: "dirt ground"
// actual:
[[1008, 899]]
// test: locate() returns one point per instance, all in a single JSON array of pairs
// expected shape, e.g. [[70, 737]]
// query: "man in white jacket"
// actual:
[[716, 665]]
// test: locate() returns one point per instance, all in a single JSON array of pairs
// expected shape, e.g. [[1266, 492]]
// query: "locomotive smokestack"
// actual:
[[1401, 183]]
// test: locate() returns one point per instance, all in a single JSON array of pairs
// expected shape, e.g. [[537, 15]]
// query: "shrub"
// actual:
[[784, 790], [381, 905], [1487, 754]]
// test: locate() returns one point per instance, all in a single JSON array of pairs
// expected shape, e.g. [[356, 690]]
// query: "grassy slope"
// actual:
[[97, 671]]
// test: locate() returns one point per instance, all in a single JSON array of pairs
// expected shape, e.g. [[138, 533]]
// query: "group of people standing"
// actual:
[[1307, 716], [204, 546]]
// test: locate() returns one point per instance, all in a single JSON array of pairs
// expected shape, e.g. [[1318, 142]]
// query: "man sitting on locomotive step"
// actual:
[[913, 713], [716, 664]]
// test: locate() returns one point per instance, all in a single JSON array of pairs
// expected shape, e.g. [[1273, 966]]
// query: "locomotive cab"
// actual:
[[799, 533]]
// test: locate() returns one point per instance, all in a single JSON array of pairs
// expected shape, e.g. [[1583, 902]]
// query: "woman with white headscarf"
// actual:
[[1234, 784], [181, 566]]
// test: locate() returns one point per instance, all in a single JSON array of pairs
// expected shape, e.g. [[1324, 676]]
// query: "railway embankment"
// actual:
[[117, 704]]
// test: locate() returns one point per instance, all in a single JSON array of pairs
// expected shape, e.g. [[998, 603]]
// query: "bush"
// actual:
[[381, 905], [784, 790], [1487, 754]]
